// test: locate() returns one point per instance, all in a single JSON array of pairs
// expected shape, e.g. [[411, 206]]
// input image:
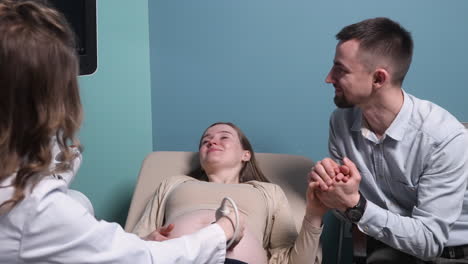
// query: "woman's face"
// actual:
[[221, 149]]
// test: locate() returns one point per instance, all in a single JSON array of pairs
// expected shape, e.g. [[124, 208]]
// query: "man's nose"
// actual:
[[329, 78]]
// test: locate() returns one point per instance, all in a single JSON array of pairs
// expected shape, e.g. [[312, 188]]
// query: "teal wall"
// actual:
[[262, 63], [117, 132]]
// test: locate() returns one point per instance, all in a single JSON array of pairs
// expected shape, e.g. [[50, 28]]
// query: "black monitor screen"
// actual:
[[81, 15]]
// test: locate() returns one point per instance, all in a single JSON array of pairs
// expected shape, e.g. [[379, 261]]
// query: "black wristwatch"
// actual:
[[355, 213]]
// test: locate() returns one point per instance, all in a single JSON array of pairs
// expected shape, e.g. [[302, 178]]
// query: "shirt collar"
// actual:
[[399, 124], [398, 127], [358, 122]]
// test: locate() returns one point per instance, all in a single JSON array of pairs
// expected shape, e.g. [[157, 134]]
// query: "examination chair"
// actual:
[[288, 171]]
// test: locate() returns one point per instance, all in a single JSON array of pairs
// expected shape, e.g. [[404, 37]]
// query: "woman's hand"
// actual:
[[160, 234], [315, 209]]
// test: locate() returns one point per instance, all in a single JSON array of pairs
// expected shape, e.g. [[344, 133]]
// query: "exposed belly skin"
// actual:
[[249, 249]]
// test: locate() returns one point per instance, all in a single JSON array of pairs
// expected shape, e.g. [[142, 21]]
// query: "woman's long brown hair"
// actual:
[[250, 170], [39, 96]]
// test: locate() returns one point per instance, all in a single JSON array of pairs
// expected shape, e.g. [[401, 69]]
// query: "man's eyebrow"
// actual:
[[338, 63]]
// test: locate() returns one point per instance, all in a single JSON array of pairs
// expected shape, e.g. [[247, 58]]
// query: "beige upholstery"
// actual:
[[288, 171]]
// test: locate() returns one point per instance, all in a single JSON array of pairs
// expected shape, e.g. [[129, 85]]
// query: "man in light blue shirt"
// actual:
[[403, 178]]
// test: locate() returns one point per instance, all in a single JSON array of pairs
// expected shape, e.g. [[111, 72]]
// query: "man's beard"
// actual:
[[342, 102]]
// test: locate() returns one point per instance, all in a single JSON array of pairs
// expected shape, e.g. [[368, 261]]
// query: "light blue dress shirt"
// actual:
[[414, 177]]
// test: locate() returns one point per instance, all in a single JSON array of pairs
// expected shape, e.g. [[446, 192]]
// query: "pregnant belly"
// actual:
[[249, 249]]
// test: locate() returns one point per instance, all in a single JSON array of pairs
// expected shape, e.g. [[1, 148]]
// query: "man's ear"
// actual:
[[381, 77], [246, 156]]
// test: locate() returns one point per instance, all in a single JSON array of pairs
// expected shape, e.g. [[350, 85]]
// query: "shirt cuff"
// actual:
[[216, 233], [307, 225], [373, 220]]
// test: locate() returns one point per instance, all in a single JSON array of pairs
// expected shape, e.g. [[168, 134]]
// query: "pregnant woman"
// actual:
[[184, 204]]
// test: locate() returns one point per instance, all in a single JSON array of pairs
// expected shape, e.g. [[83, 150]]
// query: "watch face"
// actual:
[[354, 215]]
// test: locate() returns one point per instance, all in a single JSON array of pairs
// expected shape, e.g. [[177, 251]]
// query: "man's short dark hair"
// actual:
[[382, 37]]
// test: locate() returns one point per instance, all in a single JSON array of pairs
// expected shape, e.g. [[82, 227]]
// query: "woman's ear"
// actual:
[[246, 156]]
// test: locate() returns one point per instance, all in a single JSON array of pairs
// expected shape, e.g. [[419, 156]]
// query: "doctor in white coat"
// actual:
[[40, 112]]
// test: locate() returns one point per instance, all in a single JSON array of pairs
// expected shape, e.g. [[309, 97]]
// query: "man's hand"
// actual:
[[326, 172], [342, 194], [160, 234]]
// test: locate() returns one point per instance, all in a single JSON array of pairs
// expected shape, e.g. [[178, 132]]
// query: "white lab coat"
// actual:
[[50, 227]]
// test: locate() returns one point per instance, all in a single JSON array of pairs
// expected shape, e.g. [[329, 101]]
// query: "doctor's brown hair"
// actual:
[[39, 96]]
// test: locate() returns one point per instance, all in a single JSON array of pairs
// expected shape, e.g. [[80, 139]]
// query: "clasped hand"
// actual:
[[336, 186]]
